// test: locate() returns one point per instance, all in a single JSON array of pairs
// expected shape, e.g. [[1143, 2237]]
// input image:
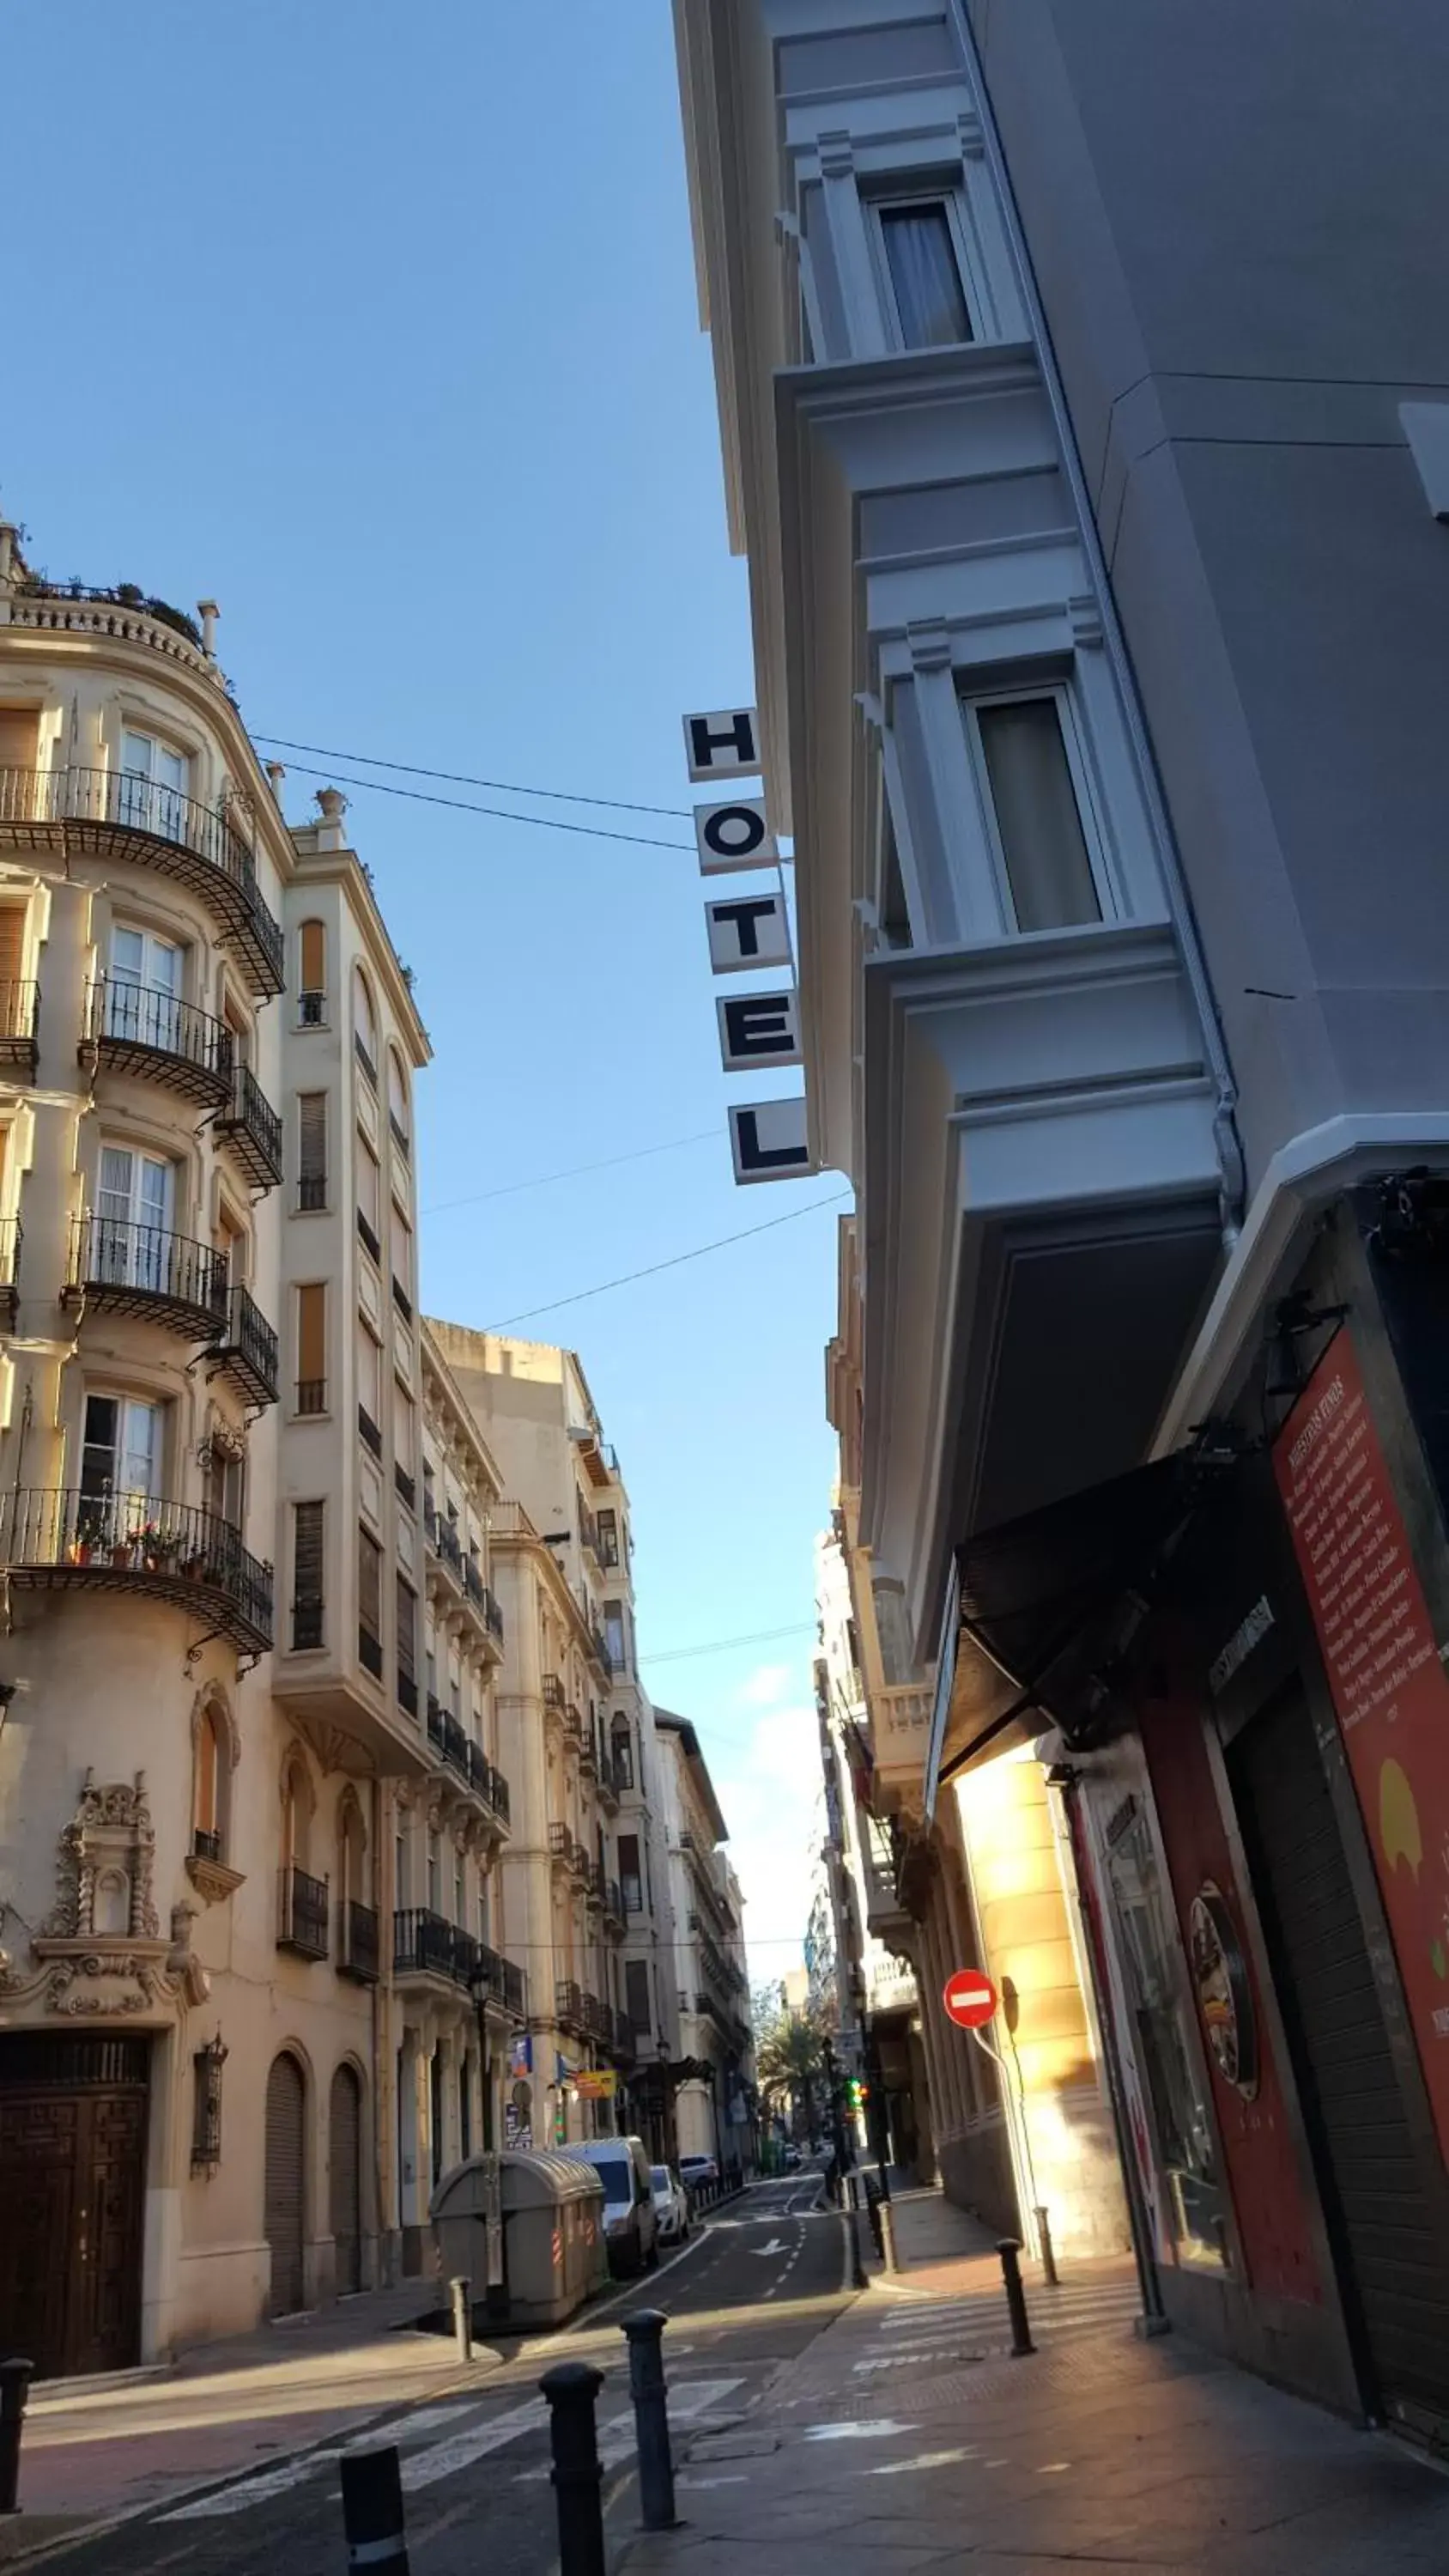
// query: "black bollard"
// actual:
[[572, 2390], [372, 2513], [645, 2331], [1009, 2249], [1048, 2250], [460, 2290], [14, 2389]]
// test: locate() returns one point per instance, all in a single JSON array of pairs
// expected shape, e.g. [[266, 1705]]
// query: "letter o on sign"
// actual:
[[970, 1998]]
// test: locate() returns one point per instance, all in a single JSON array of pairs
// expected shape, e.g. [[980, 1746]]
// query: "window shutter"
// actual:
[[312, 1348], [19, 741], [312, 1140], [636, 1988], [12, 943], [313, 958], [307, 1573]]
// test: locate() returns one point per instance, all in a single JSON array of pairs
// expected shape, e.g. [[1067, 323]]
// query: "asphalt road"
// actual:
[[751, 2290]]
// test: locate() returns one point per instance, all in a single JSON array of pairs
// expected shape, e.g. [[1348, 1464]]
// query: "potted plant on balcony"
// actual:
[[123, 1552], [159, 1548]]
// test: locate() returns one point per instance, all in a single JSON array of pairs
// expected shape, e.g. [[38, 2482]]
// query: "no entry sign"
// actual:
[[970, 1998]]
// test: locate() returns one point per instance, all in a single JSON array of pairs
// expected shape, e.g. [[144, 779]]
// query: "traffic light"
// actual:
[[859, 2094]]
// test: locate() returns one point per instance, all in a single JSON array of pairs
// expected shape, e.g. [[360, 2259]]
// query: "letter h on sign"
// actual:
[[724, 745]]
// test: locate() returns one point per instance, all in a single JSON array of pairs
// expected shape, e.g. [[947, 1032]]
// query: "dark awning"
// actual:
[[1049, 1603]]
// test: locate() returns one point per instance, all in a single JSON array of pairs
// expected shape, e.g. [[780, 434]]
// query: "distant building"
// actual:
[[715, 2106]]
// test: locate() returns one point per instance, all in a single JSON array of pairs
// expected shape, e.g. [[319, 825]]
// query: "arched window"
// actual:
[[351, 1851], [312, 974], [364, 1026], [397, 1102], [207, 1837], [296, 1813]]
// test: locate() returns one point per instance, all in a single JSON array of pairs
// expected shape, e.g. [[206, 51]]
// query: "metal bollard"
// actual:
[[1048, 2250], [645, 2331], [460, 2290], [852, 2243], [572, 2390], [888, 2236], [1009, 2249], [372, 2513], [14, 2389]]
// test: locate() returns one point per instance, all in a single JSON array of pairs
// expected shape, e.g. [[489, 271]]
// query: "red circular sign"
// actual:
[[970, 1998]]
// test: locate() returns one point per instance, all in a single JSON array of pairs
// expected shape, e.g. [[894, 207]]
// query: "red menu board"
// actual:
[[1389, 1687]]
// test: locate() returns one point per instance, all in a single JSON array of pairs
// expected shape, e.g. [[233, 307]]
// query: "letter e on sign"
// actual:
[[723, 745], [970, 1998], [759, 1030]]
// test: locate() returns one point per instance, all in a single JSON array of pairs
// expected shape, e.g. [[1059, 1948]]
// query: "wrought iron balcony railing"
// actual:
[[253, 1130], [117, 813], [52, 1538], [20, 1025], [142, 1029], [302, 1914], [247, 1354], [144, 1270], [500, 1981], [422, 1943], [358, 1956], [568, 2003]]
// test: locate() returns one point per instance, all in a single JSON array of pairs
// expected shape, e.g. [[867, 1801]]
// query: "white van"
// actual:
[[631, 2230]]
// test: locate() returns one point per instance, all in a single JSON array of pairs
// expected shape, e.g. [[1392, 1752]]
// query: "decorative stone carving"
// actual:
[[110, 1837]]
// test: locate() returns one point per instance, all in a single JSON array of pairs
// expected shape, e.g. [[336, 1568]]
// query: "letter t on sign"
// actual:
[[723, 745]]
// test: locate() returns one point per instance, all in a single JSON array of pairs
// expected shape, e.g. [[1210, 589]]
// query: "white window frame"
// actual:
[[1089, 813], [929, 191]]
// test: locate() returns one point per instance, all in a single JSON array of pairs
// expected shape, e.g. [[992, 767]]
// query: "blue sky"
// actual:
[[379, 326]]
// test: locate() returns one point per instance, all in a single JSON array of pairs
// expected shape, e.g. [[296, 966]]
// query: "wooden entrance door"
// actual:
[[284, 2194], [344, 2136], [72, 2189]]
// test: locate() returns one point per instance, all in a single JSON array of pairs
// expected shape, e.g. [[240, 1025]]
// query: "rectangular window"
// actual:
[[312, 1150], [629, 1878], [1180, 2116], [369, 1603], [924, 272], [312, 975], [121, 1452], [1034, 809], [615, 1635], [608, 1527], [143, 991], [636, 1992], [308, 1529], [131, 1243], [151, 793], [312, 1347], [407, 1647], [369, 1389]]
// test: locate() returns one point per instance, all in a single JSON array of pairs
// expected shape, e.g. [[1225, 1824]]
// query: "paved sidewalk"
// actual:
[[908, 2436], [95, 2449]]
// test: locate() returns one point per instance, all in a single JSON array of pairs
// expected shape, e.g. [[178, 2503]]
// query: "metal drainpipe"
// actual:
[[1178, 897]]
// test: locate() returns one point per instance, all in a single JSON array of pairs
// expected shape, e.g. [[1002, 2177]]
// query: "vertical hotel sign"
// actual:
[[769, 1139], [1389, 1686]]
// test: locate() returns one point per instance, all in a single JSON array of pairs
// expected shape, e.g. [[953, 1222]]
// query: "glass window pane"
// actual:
[[921, 257], [1040, 828]]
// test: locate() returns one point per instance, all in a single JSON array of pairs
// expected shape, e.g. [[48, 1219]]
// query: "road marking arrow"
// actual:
[[776, 2246]]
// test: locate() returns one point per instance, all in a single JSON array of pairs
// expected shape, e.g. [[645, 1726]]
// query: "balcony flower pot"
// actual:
[[194, 1567], [80, 1551], [122, 1554]]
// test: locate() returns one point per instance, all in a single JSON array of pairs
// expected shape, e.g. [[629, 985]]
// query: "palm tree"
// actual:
[[790, 2063]]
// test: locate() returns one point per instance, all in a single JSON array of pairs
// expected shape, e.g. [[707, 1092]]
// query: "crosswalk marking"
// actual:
[[617, 2432]]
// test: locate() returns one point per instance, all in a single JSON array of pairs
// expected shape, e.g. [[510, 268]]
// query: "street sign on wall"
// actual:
[[970, 1998]]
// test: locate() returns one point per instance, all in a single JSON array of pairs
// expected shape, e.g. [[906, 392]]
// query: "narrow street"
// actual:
[[752, 2290]]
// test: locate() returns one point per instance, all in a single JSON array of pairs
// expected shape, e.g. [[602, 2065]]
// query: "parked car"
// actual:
[[671, 2205], [699, 2173], [631, 2230]]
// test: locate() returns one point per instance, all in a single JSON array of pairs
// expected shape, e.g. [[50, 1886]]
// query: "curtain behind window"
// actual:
[[921, 257], [1036, 815]]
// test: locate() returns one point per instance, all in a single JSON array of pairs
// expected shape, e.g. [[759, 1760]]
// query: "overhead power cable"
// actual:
[[676, 1261], [575, 1172], [465, 778], [462, 805], [718, 1645]]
